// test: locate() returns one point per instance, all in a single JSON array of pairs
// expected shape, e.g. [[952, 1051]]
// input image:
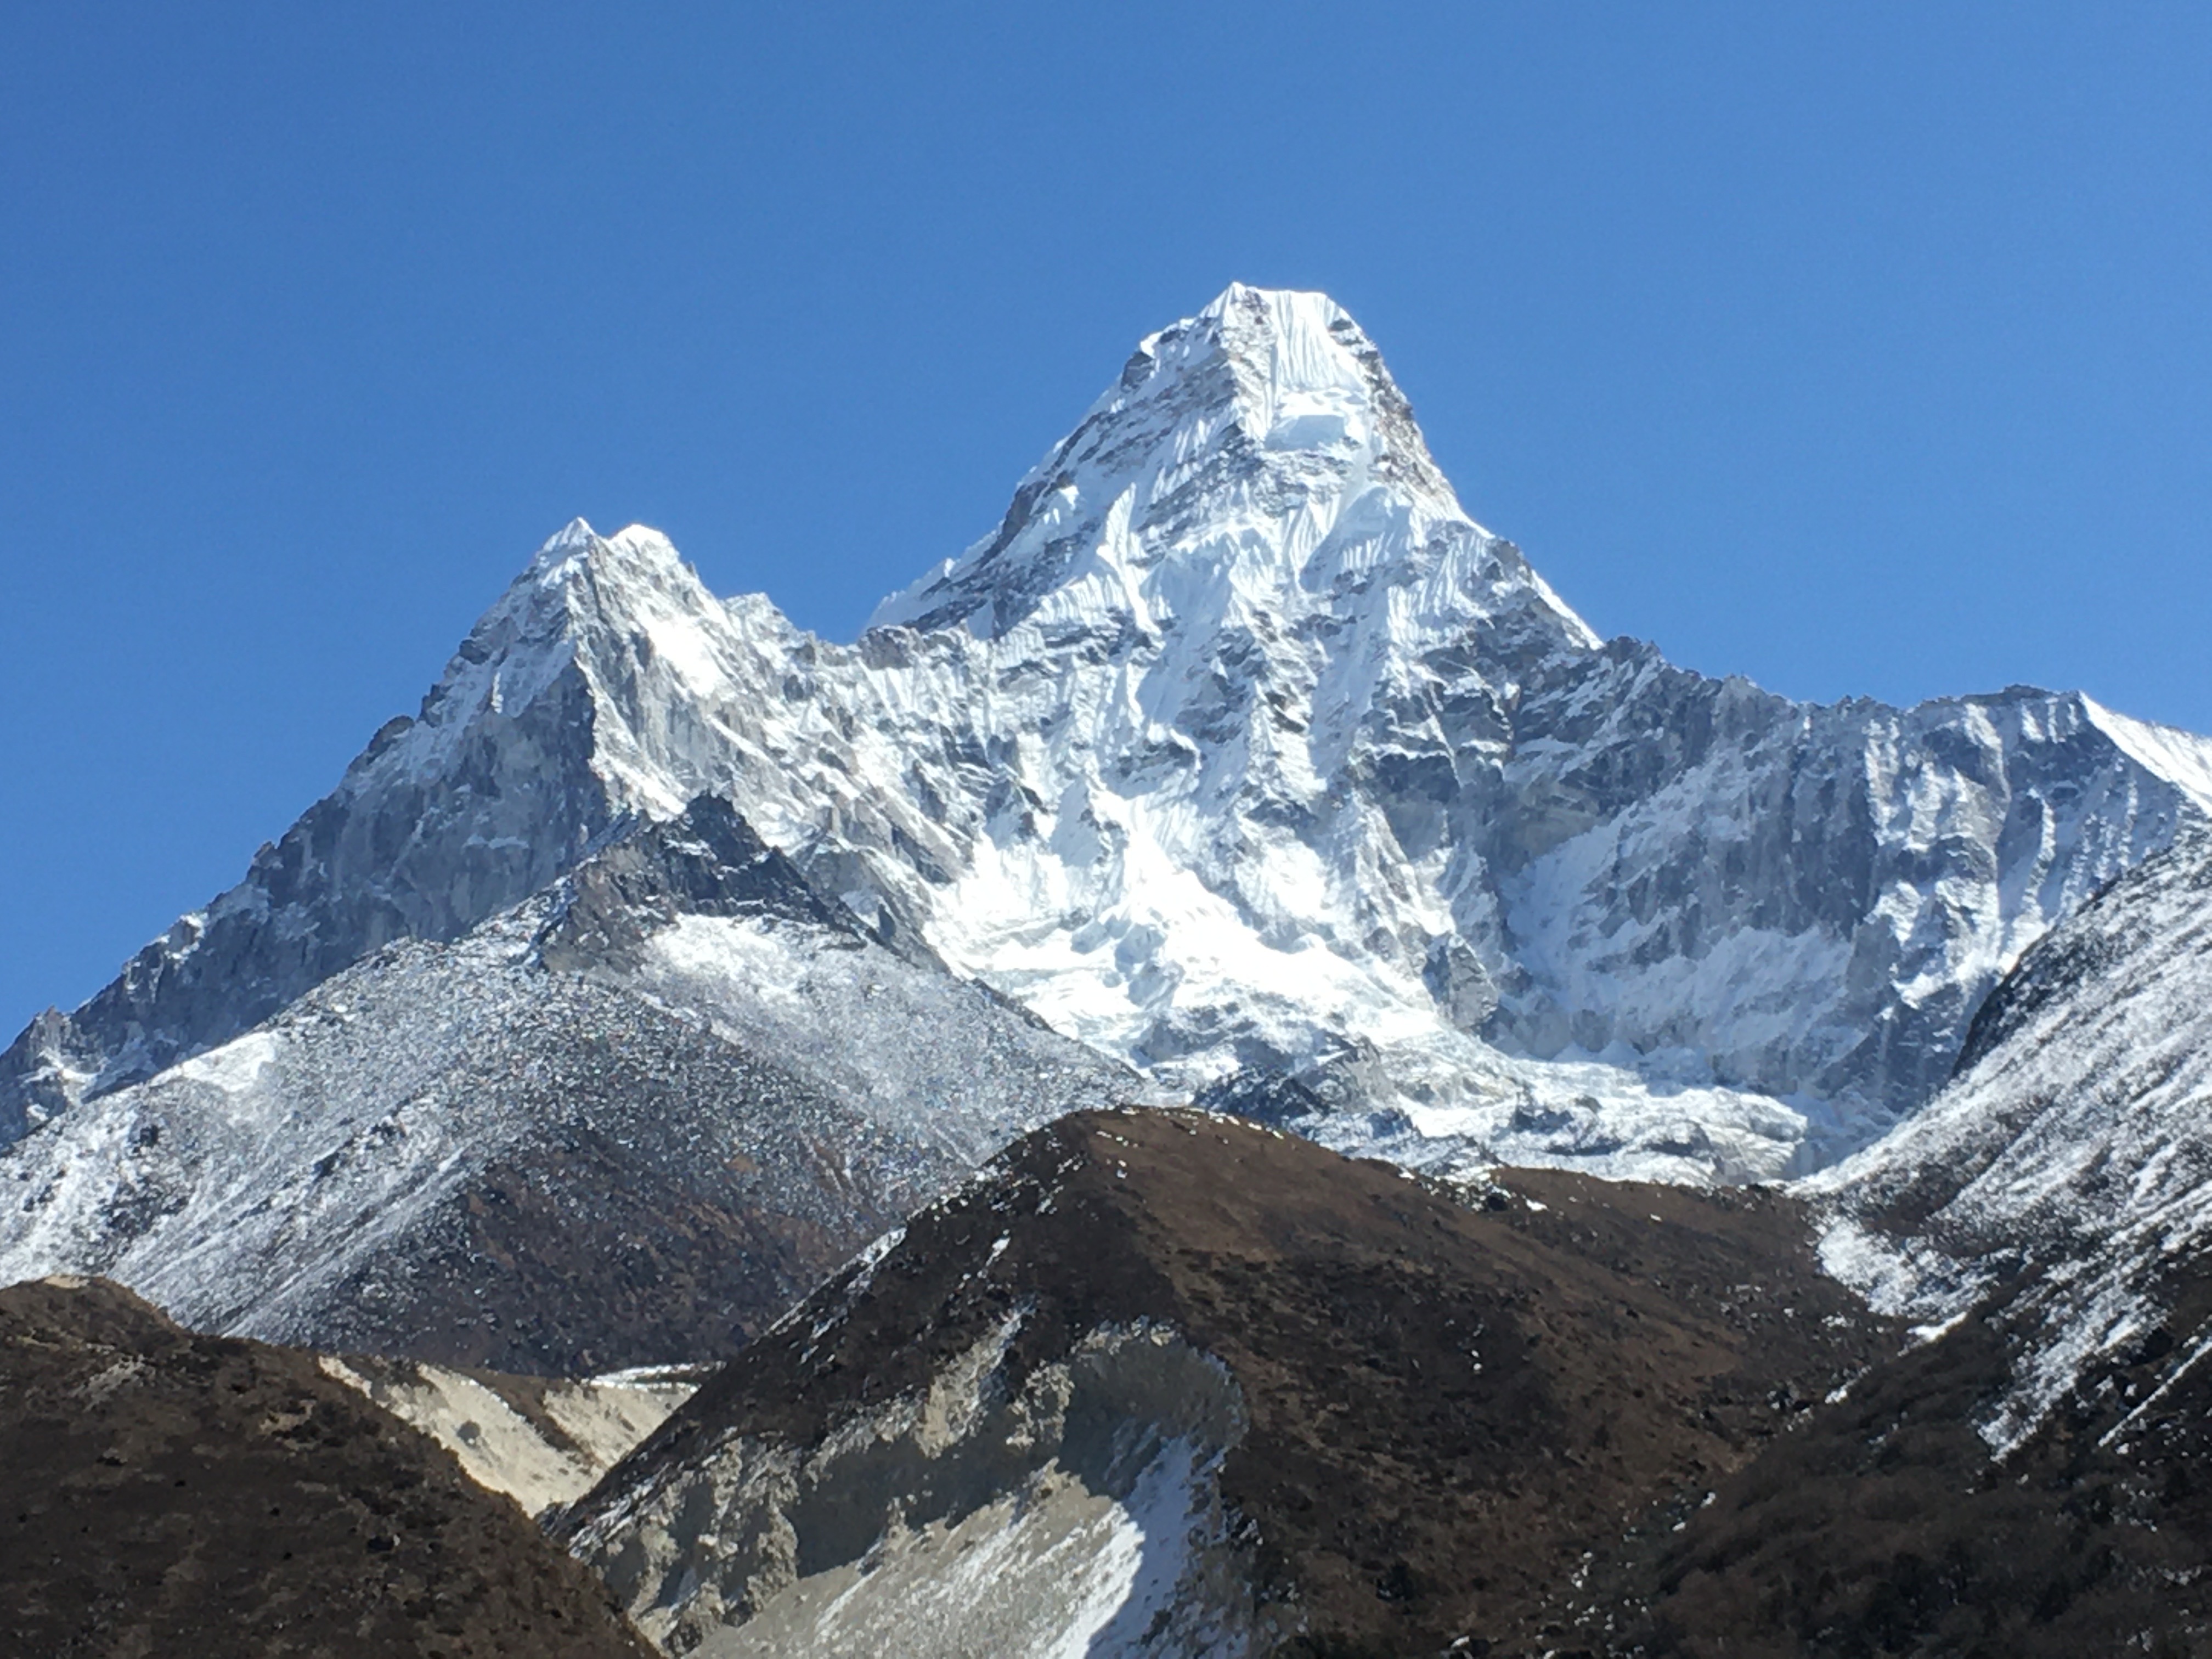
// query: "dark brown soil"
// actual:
[[1883, 1527], [163, 1493], [1453, 1409]]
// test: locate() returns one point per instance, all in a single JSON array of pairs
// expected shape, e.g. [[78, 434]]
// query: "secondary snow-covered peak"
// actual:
[[582, 598], [1255, 458], [576, 552], [563, 548]]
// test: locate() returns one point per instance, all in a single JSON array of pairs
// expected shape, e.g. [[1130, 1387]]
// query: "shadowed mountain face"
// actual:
[[1161, 1383], [169, 1493], [1240, 746]]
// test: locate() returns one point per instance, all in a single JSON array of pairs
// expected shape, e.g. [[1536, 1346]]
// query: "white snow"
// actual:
[[235, 1068], [2180, 756], [927, 1055]]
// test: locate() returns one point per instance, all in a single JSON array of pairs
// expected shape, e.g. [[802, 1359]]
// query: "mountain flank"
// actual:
[[2068, 1167], [627, 1123], [169, 1493], [1198, 1386], [2033, 1477], [1885, 1524]]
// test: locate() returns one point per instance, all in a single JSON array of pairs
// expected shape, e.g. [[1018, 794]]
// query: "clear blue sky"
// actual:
[[1858, 349]]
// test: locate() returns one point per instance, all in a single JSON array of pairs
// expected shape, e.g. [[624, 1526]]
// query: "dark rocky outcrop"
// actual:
[[1884, 1525]]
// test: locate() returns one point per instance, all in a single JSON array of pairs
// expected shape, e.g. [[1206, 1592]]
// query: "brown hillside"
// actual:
[[163, 1493], [1451, 1408]]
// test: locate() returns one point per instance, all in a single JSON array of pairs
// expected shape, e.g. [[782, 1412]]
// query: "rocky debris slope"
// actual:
[[543, 1441], [531, 1148], [2069, 1166], [1240, 746], [1162, 1383], [169, 1493]]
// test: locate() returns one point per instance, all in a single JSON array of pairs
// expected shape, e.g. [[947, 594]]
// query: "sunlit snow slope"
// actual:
[[1239, 745], [2069, 1166]]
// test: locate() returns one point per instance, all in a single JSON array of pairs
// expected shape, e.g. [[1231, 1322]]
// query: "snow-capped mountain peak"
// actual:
[[1306, 377], [565, 549], [620, 619], [634, 553], [1240, 744], [1254, 460]]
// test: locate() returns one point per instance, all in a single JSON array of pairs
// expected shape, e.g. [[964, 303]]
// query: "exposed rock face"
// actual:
[[542, 1441], [466, 1154], [1080, 1510], [1157, 1382], [173, 1493], [1240, 746]]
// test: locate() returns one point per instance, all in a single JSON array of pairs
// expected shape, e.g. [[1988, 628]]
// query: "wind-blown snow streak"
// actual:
[[1239, 744]]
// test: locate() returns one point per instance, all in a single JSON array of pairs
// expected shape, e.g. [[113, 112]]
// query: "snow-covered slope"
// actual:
[[2068, 1168], [516, 1149], [1239, 745]]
